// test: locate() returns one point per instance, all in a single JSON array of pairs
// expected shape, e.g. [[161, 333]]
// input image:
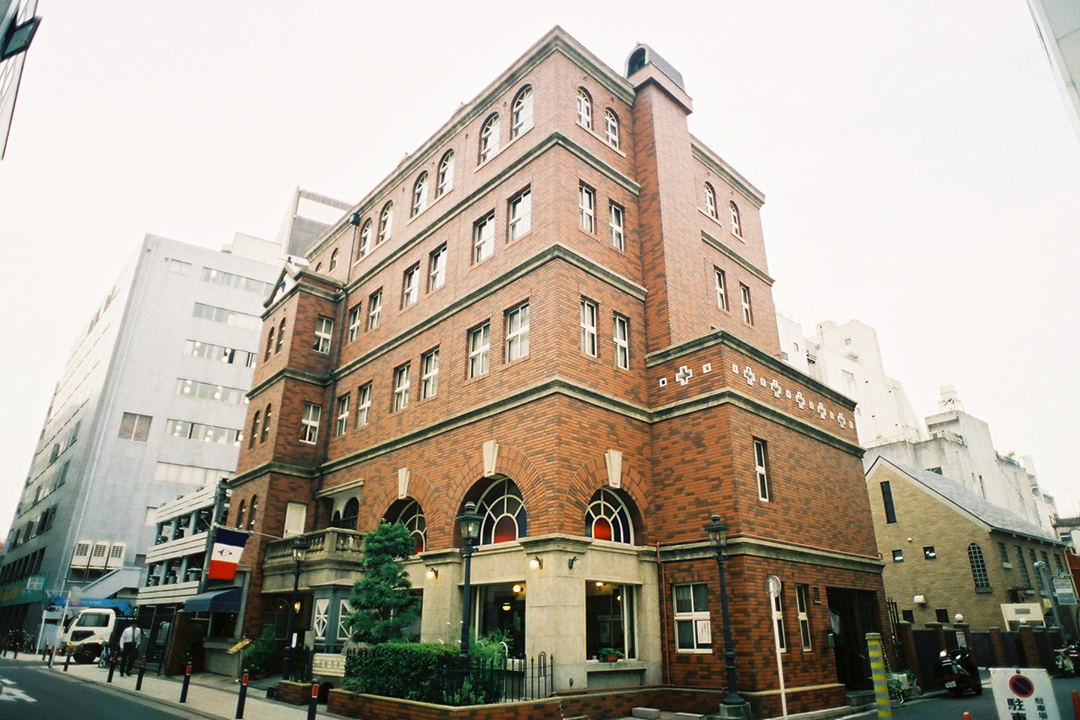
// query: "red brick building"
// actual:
[[559, 307]]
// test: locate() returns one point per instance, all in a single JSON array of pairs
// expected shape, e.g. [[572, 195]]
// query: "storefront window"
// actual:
[[609, 619]]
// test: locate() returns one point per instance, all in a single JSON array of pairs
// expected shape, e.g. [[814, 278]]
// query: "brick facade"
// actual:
[[672, 436]]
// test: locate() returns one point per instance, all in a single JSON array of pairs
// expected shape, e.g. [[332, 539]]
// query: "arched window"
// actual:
[[252, 509], [386, 222], [364, 243], [409, 513], [333, 260], [254, 430], [318, 267], [503, 513], [710, 202], [978, 566], [419, 194], [489, 138], [736, 222], [584, 109], [522, 117], [608, 518], [269, 344], [350, 513], [266, 423], [240, 516], [611, 128], [280, 336], [446, 174], [335, 519]]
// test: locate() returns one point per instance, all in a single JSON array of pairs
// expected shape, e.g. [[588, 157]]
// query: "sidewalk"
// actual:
[[209, 695]]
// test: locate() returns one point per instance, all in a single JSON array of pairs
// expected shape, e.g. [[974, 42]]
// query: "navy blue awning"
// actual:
[[214, 601]]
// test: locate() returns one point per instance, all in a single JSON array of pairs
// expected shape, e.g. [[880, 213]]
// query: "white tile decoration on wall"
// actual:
[[840, 419], [734, 368], [776, 389], [706, 368], [749, 375], [683, 376], [788, 394], [821, 410], [663, 382], [800, 400]]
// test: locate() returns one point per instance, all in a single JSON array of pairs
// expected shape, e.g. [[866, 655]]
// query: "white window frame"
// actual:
[[778, 613], [401, 386], [386, 223], [802, 605], [589, 313], [489, 138], [517, 333], [710, 202], [698, 617], [364, 246], [420, 193], [479, 350], [520, 215], [429, 374], [521, 118], [621, 338], [437, 268], [309, 423], [446, 174], [587, 208], [324, 333], [617, 223], [736, 219], [720, 284], [354, 321], [342, 425], [484, 238], [761, 470], [374, 309], [333, 259], [410, 286], [584, 109], [363, 405], [611, 128], [747, 307]]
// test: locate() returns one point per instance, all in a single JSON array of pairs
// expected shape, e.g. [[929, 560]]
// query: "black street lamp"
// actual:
[[469, 521], [299, 549], [718, 536]]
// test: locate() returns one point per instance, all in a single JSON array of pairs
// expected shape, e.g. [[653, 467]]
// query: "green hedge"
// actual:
[[411, 671]]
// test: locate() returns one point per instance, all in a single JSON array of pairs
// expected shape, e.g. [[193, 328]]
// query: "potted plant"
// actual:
[[611, 655], [260, 654]]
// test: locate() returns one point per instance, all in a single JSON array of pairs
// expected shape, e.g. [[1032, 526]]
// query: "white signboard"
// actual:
[[704, 632], [1023, 694]]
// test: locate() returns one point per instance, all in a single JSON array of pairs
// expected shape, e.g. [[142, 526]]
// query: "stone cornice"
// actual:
[[291, 374], [743, 262], [722, 337], [773, 550], [713, 161], [551, 253], [272, 467], [555, 41]]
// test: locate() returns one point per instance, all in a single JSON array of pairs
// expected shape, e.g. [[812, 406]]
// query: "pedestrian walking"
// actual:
[[130, 641]]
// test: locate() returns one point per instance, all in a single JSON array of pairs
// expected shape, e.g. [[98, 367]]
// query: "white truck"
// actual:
[[91, 631]]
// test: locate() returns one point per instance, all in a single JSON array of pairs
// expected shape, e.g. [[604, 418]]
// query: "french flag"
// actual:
[[228, 547]]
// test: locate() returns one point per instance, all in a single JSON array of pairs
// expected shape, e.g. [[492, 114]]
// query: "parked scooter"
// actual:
[[957, 672]]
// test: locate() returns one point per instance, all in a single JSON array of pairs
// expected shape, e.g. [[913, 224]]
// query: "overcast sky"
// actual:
[[919, 168]]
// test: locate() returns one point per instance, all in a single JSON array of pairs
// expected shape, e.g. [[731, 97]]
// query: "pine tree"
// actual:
[[381, 602]]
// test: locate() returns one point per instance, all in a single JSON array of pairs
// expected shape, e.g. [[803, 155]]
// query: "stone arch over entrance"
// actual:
[[515, 465]]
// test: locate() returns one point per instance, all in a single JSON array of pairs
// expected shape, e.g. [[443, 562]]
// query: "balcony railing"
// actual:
[[322, 544]]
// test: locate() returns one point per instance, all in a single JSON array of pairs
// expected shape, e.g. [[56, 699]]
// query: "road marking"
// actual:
[[10, 693]]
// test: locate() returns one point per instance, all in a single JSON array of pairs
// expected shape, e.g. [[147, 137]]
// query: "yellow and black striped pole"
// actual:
[[877, 672]]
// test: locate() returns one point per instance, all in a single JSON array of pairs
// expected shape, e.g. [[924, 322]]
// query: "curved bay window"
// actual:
[[608, 518], [503, 513], [409, 513]]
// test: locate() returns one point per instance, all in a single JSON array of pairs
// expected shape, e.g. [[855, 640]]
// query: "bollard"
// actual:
[[112, 667], [313, 703], [877, 670], [52, 656], [1076, 705], [187, 681], [142, 670], [967, 716], [243, 695], [67, 657]]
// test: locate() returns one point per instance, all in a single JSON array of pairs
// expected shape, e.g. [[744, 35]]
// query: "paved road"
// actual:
[[30, 692]]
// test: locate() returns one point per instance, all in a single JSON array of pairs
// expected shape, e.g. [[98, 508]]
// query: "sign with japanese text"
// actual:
[[1063, 589], [1023, 694]]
